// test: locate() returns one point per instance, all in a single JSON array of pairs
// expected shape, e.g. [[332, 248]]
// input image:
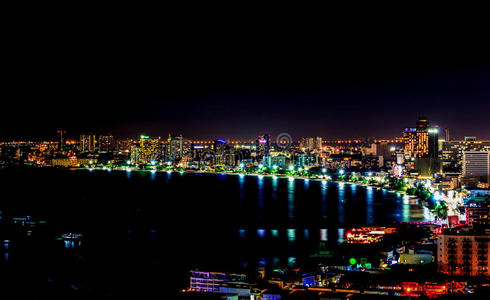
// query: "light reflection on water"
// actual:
[[324, 235], [400, 207], [307, 234], [291, 200], [275, 212], [291, 235], [274, 188], [260, 196], [324, 199], [369, 205], [241, 182], [341, 201]]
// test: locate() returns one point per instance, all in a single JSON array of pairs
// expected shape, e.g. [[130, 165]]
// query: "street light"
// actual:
[[261, 166], [242, 165], [291, 168], [341, 172], [274, 167], [324, 170], [370, 174]]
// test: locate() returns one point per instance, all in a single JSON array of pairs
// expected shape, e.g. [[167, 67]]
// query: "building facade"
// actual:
[[87, 142], [422, 140], [263, 146], [212, 281], [149, 149], [452, 152], [106, 143], [476, 165], [175, 147], [464, 253]]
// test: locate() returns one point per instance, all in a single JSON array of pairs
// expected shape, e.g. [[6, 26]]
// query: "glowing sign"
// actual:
[[352, 261], [198, 147], [433, 130]]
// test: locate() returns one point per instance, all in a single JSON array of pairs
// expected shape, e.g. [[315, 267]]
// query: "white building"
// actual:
[[476, 164]]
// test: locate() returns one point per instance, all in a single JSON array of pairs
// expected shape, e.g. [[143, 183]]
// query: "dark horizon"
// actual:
[[241, 81]]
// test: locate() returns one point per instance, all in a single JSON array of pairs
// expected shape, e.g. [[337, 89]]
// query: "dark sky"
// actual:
[[240, 76]]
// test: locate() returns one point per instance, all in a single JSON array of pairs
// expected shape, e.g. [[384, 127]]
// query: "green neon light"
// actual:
[[352, 261]]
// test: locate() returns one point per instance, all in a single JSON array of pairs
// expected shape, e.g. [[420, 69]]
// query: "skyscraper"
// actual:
[[452, 152], [87, 143], [421, 141], [318, 144], [61, 140], [381, 149], [263, 146], [219, 151], [106, 143], [149, 149], [421, 144], [463, 253], [174, 148], [311, 144], [476, 165]]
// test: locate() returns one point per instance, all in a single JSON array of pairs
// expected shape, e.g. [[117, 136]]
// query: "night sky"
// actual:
[[240, 77]]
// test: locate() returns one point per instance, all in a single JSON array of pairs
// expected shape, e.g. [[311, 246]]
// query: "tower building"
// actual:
[[149, 149]]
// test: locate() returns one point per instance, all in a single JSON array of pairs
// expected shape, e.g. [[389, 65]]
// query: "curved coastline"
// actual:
[[256, 175]]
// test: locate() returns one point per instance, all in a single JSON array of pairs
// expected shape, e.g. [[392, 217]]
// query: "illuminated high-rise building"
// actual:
[[311, 144], [318, 144], [452, 152], [381, 149], [175, 147], [476, 164], [421, 141], [220, 151], [106, 143], [61, 140], [464, 253], [87, 143], [263, 146], [447, 135], [149, 149]]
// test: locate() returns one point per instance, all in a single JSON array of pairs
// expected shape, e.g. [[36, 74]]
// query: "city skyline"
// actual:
[[71, 136]]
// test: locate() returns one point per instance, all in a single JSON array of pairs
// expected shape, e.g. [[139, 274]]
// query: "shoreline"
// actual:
[[282, 176]]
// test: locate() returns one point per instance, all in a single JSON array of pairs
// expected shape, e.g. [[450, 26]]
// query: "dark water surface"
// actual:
[[143, 231]]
